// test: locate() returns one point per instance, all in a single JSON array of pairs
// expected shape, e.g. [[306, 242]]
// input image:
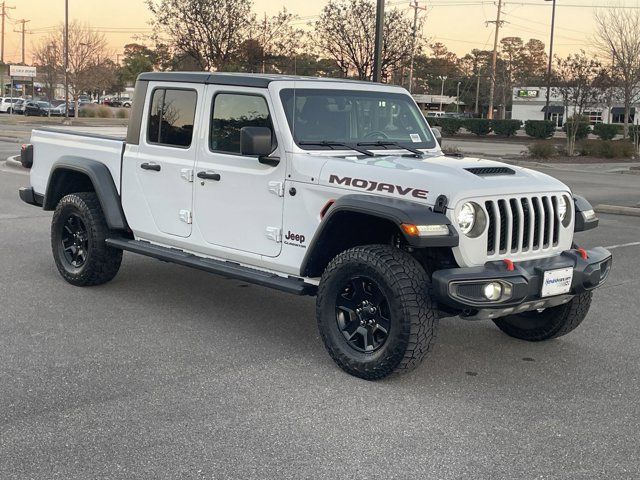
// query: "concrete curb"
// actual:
[[618, 210], [13, 162]]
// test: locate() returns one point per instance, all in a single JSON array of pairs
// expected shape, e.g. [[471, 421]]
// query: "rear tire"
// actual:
[[375, 311], [551, 323], [78, 233]]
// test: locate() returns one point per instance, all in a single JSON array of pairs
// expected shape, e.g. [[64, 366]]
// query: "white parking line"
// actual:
[[632, 244]]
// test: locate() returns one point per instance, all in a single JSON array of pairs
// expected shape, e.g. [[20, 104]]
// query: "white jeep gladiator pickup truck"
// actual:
[[321, 187]]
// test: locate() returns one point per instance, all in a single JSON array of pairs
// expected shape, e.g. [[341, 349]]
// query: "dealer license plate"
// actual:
[[557, 282]]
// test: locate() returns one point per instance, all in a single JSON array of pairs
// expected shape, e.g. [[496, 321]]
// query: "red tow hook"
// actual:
[[582, 252], [509, 264]]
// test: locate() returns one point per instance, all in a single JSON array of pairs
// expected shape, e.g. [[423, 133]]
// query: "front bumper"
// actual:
[[524, 282]]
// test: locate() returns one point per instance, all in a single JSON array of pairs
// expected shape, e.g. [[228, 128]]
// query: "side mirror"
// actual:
[[437, 135], [255, 141]]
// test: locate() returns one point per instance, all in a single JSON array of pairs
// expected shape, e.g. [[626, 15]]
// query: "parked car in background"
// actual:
[[59, 109], [36, 109], [18, 107], [434, 114], [126, 102], [7, 103]]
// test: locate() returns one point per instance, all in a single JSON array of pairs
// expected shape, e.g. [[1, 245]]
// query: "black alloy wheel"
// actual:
[[75, 241], [363, 316]]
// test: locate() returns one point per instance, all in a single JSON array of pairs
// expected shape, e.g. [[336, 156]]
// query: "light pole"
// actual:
[[458, 98], [547, 114], [379, 41], [443, 78]]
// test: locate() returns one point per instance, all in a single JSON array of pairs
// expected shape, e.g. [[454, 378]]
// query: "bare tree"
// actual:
[[209, 31], [277, 36], [618, 37], [87, 50], [47, 56], [345, 33], [577, 79]]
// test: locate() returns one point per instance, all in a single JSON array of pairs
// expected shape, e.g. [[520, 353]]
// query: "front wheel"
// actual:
[[537, 326], [375, 311], [78, 233]]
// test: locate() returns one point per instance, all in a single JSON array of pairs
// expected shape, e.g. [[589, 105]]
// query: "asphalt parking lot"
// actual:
[[168, 372]]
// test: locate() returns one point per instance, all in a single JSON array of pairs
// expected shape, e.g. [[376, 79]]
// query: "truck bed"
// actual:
[[51, 145]]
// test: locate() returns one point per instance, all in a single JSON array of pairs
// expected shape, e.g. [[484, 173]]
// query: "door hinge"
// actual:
[[185, 216], [186, 174], [277, 188], [274, 233]]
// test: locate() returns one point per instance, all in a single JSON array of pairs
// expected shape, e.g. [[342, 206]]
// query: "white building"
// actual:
[[529, 104]]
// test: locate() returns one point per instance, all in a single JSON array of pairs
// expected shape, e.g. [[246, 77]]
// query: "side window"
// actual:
[[171, 117], [231, 112]]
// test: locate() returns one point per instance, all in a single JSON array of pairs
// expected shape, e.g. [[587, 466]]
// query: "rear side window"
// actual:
[[231, 112], [171, 118]]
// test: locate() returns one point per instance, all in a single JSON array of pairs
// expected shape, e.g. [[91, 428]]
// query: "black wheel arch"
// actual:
[[73, 175], [361, 219]]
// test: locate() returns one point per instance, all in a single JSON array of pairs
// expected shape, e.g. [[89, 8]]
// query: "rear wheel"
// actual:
[[375, 311], [537, 326], [78, 233]]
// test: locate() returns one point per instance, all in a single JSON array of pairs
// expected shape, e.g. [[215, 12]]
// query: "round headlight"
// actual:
[[466, 218], [562, 207]]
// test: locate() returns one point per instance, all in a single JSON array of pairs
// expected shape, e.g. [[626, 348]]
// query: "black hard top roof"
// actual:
[[239, 79]]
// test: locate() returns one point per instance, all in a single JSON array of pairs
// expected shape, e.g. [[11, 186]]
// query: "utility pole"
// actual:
[[547, 114], [22, 31], [494, 61], [476, 110], [377, 55], [443, 78], [4, 14], [458, 98], [415, 7], [66, 59]]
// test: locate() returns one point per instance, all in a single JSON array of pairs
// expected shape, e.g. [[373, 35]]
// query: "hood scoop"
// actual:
[[490, 171]]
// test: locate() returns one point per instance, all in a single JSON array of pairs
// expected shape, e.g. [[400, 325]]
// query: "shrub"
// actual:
[[479, 126], [87, 112], [433, 121], [605, 131], [450, 126], [506, 128], [542, 150], [606, 149], [539, 128], [102, 111], [122, 113], [584, 128]]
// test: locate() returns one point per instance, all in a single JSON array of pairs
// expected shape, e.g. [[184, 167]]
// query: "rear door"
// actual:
[[241, 206], [159, 172]]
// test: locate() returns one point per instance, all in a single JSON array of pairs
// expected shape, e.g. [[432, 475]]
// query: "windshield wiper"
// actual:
[[331, 145], [385, 144]]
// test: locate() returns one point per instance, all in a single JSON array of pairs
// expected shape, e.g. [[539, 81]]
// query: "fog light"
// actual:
[[493, 291]]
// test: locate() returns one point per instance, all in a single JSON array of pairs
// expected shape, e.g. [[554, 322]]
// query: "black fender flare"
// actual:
[[102, 182], [393, 210]]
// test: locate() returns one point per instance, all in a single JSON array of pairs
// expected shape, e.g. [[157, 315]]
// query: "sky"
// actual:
[[459, 24]]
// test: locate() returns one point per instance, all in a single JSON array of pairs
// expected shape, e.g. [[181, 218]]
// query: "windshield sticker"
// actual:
[[415, 138]]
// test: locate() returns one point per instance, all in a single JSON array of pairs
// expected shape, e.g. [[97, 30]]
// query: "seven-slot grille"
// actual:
[[522, 224]]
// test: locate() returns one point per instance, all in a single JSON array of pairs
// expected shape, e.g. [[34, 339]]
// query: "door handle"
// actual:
[[150, 166], [209, 176]]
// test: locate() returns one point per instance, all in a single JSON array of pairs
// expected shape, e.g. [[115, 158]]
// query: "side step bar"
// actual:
[[227, 269]]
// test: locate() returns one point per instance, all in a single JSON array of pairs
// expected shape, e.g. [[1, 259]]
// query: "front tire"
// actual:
[[550, 323], [78, 233], [375, 311]]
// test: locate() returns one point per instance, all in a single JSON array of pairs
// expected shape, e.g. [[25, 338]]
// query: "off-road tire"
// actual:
[[413, 312], [551, 323], [102, 262]]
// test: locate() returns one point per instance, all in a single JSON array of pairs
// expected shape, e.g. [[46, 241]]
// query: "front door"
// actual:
[[158, 197], [238, 202]]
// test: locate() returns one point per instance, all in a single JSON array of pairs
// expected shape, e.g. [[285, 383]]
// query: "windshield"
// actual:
[[354, 117]]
